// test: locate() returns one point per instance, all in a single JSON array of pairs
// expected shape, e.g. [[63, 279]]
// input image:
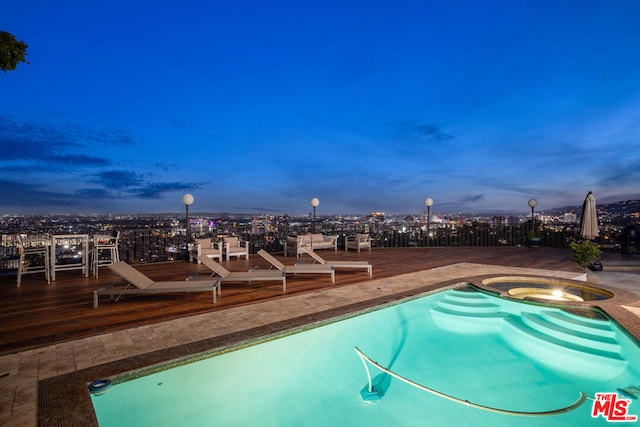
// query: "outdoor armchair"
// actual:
[[360, 241]]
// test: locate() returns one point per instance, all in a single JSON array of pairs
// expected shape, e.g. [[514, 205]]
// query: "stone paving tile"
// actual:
[[83, 360], [25, 397], [65, 357], [7, 395], [21, 417], [9, 364]]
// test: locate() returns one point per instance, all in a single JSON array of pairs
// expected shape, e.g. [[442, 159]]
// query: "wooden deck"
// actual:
[[37, 314]]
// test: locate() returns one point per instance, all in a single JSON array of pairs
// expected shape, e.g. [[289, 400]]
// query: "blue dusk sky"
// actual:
[[258, 106]]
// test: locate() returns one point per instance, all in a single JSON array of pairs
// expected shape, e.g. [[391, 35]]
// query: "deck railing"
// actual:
[[147, 245]]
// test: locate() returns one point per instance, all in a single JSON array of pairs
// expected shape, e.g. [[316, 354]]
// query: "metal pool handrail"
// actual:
[[365, 359]]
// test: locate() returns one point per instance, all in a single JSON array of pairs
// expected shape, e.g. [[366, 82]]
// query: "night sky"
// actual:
[[258, 106]]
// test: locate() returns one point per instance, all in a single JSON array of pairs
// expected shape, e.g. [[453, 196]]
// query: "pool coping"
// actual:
[[64, 400]]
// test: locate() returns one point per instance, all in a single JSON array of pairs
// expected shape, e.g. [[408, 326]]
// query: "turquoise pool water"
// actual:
[[469, 345]]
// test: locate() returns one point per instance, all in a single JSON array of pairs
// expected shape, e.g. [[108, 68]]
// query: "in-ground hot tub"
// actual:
[[547, 289]]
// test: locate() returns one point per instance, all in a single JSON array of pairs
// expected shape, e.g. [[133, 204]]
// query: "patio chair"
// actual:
[[361, 241], [298, 268], [242, 276], [234, 247], [139, 283], [104, 251], [209, 248], [340, 264], [34, 256]]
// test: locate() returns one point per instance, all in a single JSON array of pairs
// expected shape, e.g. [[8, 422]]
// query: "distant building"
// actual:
[[499, 221], [513, 221], [376, 216]]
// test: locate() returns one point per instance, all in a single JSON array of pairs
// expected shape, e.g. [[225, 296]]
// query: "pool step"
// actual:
[[467, 303], [553, 329], [467, 312], [583, 354], [584, 324], [535, 332]]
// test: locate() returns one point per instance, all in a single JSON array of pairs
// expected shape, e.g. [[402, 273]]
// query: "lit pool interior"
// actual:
[[463, 343]]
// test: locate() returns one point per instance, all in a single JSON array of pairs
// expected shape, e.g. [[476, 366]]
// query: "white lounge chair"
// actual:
[[298, 268], [340, 263], [234, 247], [243, 276], [361, 241], [139, 283], [207, 247]]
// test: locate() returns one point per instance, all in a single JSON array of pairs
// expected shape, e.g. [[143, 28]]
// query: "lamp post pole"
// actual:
[[428, 202], [315, 202], [532, 204], [187, 199]]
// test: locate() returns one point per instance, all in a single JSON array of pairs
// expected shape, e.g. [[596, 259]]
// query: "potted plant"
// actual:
[[534, 239], [585, 253]]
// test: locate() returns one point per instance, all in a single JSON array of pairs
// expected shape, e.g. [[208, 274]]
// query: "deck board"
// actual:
[[38, 314]]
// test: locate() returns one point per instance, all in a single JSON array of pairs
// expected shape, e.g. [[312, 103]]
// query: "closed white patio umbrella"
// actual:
[[589, 219]]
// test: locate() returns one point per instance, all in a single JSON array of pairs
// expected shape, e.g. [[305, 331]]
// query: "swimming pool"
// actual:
[[466, 344]]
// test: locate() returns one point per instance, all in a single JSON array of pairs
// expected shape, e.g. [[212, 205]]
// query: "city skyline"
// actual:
[[257, 108]]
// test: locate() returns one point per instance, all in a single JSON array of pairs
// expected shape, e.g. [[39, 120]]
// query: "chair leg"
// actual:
[[96, 262], [47, 266], [20, 266]]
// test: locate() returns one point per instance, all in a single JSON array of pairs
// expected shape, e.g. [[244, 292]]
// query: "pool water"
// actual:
[[469, 345]]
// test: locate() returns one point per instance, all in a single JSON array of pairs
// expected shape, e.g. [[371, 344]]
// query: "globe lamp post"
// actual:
[[532, 204], [187, 199], [315, 202], [428, 202]]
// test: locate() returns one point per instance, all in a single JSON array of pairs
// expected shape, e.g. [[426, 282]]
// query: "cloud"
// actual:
[[622, 175], [111, 138], [28, 195], [158, 189], [472, 199], [118, 179], [426, 132], [43, 143], [79, 160], [94, 193]]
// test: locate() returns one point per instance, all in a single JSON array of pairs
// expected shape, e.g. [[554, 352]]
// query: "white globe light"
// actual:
[[187, 199], [428, 202], [315, 202], [533, 203]]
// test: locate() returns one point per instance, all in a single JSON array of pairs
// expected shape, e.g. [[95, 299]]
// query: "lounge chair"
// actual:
[[298, 268], [340, 264], [242, 276], [139, 283]]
